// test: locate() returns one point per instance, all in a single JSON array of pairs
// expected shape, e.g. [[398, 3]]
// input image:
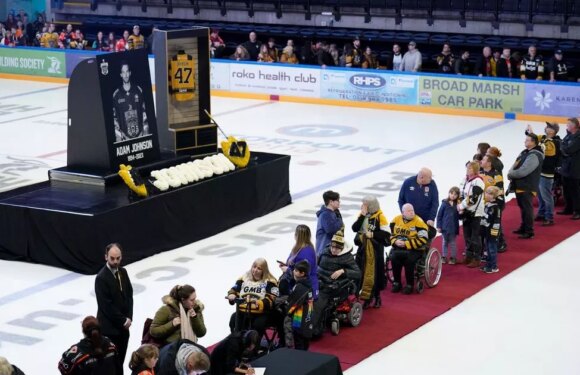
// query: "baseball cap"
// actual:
[[412, 43], [558, 52]]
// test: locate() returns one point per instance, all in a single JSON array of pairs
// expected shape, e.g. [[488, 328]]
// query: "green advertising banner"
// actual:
[[475, 94], [48, 63]]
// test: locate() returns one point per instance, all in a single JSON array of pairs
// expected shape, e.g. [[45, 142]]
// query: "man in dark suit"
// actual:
[[114, 300]]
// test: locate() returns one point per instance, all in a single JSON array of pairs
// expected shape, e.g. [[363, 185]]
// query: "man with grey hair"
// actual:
[[421, 192]]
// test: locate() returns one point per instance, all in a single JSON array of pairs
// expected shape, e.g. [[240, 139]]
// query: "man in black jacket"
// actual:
[[571, 169], [115, 300], [525, 180]]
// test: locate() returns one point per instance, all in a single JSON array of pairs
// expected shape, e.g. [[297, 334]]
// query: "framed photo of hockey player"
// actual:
[[128, 107], [182, 91]]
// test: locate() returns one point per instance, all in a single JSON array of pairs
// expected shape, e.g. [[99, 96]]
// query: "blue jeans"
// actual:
[[491, 243], [449, 241], [545, 198]]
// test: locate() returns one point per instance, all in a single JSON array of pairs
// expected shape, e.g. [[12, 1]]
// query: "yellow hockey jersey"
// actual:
[[182, 77], [414, 233]]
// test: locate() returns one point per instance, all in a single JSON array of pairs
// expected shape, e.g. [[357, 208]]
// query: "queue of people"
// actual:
[[296, 303]]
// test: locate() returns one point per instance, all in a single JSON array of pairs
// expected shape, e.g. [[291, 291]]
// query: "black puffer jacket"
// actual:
[[328, 264]]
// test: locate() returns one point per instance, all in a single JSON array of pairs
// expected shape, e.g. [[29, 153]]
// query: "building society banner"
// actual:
[[552, 99], [475, 94], [48, 63], [368, 86], [274, 79]]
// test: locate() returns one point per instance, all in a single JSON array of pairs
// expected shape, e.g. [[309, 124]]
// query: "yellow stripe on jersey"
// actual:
[[182, 77]]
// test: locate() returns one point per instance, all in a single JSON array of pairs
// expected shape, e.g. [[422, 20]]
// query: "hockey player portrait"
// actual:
[[129, 114]]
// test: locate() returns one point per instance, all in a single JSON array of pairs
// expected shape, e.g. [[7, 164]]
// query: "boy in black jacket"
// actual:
[[298, 323], [491, 228]]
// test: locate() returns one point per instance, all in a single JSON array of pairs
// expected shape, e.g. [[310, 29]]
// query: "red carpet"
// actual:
[[402, 314]]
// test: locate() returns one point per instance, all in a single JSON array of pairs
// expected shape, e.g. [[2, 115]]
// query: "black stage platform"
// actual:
[[297, 362], [68, 225]]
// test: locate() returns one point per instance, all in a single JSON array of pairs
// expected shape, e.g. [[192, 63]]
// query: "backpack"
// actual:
[[146, 337]]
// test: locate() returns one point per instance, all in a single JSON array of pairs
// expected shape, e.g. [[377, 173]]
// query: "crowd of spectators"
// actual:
[[504, 63], [18, 31]]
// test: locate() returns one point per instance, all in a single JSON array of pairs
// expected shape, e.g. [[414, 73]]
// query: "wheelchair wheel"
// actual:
[[334, 327], [433, 267], [355, 314], [420, 287]]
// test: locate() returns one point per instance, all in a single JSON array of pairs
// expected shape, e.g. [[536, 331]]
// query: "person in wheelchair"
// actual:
[[409, 238], [336, 268], [254, 293]]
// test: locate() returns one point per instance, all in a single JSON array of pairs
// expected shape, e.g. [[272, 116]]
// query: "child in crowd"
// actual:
[[491, 228], [144, 359], [448, 224], [298, 323]]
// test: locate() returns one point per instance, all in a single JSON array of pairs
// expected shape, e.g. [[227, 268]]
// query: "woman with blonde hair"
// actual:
[[288, 56], [256, 290], [303, 249], [7, 369], [372, 233], [181, 316], [144, 359]]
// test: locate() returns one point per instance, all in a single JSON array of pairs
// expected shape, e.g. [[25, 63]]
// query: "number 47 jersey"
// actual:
[[182, 77]]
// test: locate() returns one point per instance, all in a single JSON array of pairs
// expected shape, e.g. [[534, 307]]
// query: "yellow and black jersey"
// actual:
[[135, 42], [414, 233], [492, 178], [182, 77], [262, 293]]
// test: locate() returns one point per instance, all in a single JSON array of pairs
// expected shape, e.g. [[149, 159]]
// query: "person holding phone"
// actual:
[[303, 249]]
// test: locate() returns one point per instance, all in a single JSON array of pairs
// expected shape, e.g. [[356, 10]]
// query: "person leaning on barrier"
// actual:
[[409, 234], [181, 316]]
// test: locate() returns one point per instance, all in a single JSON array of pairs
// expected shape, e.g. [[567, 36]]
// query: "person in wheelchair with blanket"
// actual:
[[336, 270], [409, 240]]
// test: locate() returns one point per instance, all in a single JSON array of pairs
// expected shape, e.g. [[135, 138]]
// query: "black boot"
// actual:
[[367, 303], [378, 302]]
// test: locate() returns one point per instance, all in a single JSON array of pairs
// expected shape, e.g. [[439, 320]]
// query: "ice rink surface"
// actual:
[[525, 323]]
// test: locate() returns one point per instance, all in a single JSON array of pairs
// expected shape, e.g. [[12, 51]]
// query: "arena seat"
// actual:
[[421, 37], [456, 40], [493, 41], [511, 42], [439, 38], [548, 44]]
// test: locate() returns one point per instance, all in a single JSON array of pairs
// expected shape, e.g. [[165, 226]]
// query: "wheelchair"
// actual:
[[270, 338], [427, 269], [344, 307]]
